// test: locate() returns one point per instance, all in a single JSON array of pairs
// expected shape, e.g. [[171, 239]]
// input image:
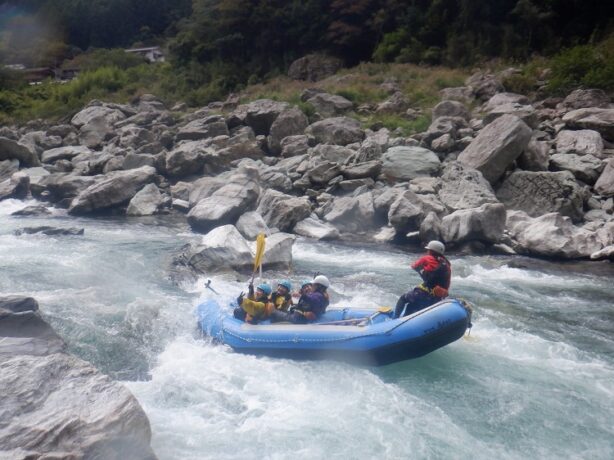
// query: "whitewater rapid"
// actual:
[[535, 378]]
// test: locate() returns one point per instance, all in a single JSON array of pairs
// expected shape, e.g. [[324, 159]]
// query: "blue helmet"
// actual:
[[305, 283], [265, 287], [285, 283]]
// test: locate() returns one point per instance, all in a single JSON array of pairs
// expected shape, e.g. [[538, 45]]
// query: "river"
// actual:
[[534, 379]]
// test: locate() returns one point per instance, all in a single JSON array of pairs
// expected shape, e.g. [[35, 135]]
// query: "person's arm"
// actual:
[[253, 307]]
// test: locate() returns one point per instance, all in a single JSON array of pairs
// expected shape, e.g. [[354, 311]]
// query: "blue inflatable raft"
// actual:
[[370, 337]]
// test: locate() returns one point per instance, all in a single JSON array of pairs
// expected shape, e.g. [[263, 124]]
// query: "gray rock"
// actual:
[[13, 150], [65, 186], [352, 214], [497, 146], [290, 122], [222, 248], [526, 113], [8, 168], [293, 146], [313, 227], [585, 98], [260, 114], [551, 235], [115, 189], [135, 137], [586, 168], [17, 186], [330, 105], [314, 67], [204, 128], [605, 253], [581, 142], [251, 224], [484, 86], [96, 112], [464, 188], [451, 109], [277, 251], [136, 160], [51, 231], [283, 211], [64, 153], [205, 187], [605, 184], [96, 132], [354, 184], [600, 120], [323, 173], [405, 213], [425, 185], [406, 163], [430, 228], [535, 156], [397, 103], [362, 170], [147, 202], [35, 210], [186, 159], [538, 193], [462, 94], [505, 98], [337, 131], [486, 224], [443, 143], [227, 203], [17, 304], [275, 180]]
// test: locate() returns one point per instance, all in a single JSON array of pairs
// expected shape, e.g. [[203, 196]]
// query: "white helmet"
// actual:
[[321, 279], [436, 246]]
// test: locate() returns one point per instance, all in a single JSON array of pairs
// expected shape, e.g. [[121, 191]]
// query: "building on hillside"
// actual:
[[152, 54]]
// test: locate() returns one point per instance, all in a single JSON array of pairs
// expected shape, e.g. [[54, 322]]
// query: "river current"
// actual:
[[534, 379]]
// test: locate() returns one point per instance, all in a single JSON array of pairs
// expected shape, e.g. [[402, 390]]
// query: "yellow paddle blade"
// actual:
[[384, 309], [260, 242]]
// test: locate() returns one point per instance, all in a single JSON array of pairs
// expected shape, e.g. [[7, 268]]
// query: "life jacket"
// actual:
[[281, 302], [313, 304], [436, 273], [257, 309]]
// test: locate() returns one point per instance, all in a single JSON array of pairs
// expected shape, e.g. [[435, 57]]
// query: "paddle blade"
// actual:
[[260, 242]]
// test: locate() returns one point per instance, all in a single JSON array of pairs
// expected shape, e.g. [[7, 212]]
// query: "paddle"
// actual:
[[260, 243], [208, 286]]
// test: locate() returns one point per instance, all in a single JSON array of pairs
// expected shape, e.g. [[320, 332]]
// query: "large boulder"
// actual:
[[13, 150], [496, 147], [290, 122], [451, 109], [538, 193], [484, 86], [586, 168], [17, 186], [89, 114], [314, 67], [61, 186], [277, 250], [259, 115], [605, 184], [504, 98], [600, 120], [222, 248], [406, 163], [330, 105], [148, 201], [526, 113], [55, 405], [536, 156], [227, 203], [8, 168], [362, 170], [203, 128], [64, 153], [551, 235], [352, 214], [585, 98], [283, 211], [251, 224], [186, 159], [581, 142], [115, 189], [485, 224], [313, 227], [405, 213], [464, 188], [337, 131]]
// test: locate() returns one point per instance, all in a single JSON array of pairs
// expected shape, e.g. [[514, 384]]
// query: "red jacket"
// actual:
[[435, 270]]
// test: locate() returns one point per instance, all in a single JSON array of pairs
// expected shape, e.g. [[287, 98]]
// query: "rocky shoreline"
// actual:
[[510, 176], [55, 405]]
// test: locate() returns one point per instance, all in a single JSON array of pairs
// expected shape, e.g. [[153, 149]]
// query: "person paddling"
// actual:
[[436, 273], [257, 306]]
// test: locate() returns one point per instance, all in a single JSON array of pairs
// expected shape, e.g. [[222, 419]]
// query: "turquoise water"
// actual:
[[535, 379]]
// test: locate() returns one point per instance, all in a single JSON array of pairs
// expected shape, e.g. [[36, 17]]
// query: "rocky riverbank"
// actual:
[[494, 171], [55, 405]]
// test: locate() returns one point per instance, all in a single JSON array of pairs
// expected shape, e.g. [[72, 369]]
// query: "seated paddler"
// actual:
[[282, 297], [311, 305], [256, 306]]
